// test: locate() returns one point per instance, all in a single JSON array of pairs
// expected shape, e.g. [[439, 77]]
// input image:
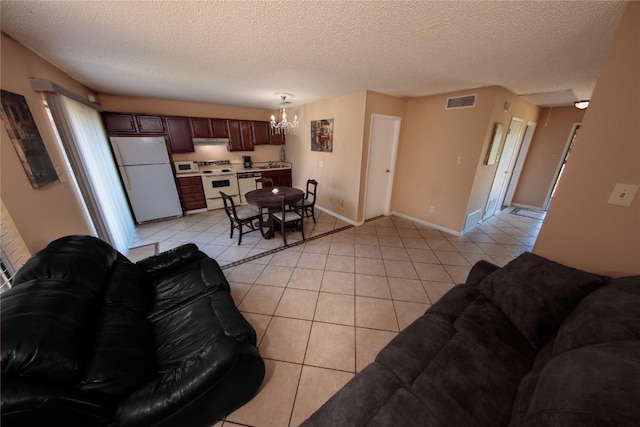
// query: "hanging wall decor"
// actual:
[[322, 135], [26, 139], [492, 152]]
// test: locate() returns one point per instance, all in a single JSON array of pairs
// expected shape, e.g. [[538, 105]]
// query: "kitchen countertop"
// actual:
[[260, 167]]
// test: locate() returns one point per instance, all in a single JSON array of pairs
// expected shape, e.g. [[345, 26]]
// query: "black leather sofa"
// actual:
[[91, 339], [534, 343]]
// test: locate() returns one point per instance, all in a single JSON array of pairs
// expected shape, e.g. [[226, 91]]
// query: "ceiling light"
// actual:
[[581, 104], [283, 126]]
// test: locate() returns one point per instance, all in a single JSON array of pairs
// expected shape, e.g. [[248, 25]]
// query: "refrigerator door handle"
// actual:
[[116, 153], [125, 178]]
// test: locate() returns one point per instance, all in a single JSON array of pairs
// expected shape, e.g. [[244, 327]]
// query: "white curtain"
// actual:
[[85, 142]]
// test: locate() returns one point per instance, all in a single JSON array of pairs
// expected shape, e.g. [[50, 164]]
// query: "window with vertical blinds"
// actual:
[[87, 148], [13, 251]]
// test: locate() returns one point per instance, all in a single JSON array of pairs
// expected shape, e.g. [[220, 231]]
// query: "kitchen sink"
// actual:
[[272, 167]]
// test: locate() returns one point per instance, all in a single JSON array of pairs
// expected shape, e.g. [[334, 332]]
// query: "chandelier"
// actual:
[[284, 126]]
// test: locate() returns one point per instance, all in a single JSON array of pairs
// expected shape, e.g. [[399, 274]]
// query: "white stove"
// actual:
[[218, 176]]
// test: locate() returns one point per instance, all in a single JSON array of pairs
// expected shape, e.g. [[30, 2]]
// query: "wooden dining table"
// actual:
[[271, 198]]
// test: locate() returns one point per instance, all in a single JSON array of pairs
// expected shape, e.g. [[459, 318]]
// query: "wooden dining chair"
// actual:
[[287, 216], [308, 203], [242, 219], [263, 183]]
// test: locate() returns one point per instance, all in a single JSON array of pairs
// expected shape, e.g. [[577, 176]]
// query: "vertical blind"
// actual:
[[87, 148]]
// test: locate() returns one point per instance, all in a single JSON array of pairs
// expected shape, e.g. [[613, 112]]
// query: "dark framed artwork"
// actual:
[[492, 152], [322, 135], [26, 139]]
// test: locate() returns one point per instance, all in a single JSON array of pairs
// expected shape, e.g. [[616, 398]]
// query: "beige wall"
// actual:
[[52, 211], [377, 103], [428, 173], [167, 107], [545, 155], [339, 179], [581, 229], [485, 174]]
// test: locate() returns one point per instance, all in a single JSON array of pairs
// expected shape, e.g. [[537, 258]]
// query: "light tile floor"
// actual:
[[323, 308]]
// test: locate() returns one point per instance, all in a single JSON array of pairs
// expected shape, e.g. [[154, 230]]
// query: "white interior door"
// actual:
[[517, 169], [503, 172], [383, 144]]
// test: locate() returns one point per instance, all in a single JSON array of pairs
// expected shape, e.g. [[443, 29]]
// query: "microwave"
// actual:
[[186, 167]]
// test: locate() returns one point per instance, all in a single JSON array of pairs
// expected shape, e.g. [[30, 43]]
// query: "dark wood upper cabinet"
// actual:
[[119, 123], [235, 139], [149, 124], [200, 127], [261, 133], [179, 133], [133, 124], [246, 130], [219, 128], [276, 138], [240, 135]]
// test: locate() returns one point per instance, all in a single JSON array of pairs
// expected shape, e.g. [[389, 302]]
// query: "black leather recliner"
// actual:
[[92, 339]]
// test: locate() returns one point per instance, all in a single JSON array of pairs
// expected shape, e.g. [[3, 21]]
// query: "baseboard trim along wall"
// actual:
[[428, 224]]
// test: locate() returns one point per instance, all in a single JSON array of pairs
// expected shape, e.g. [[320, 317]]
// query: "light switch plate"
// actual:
[[623, 194], [321, 164]]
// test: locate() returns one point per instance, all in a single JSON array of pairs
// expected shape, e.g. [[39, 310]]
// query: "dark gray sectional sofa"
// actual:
[[534, 343]]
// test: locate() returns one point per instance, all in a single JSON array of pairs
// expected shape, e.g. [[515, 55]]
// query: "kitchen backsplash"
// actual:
[[263, 153]]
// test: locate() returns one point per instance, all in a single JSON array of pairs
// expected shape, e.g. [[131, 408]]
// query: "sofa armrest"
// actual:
[[169, 259], [479, 271]]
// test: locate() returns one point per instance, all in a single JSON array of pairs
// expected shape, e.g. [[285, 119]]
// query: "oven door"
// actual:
[[213, 185]]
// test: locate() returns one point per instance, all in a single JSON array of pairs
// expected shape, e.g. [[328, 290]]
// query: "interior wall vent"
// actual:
[[466, 101], [472, 220]]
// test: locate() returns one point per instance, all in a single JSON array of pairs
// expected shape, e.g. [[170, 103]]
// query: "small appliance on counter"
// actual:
[[246, 160], [186, 166]]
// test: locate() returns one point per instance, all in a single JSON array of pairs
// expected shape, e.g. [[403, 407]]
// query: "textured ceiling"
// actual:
[[242, 52]]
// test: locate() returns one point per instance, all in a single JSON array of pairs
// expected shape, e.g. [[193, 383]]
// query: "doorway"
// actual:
[[560, 168], [503, 171], [383, 145], [517, 169]]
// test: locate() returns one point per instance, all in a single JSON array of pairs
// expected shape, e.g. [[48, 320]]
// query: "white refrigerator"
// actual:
[[145, 169]]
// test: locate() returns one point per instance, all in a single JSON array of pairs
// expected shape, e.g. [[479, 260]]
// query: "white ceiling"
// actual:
[[242, 52]]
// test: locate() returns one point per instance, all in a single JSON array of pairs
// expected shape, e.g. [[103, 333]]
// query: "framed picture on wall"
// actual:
[[26, 139], [322, 135], [492, 153]]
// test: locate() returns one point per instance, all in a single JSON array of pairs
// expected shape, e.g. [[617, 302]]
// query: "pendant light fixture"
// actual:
[[284, 126]]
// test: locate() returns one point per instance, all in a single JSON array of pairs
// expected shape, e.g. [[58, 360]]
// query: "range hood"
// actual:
[[210, 141]]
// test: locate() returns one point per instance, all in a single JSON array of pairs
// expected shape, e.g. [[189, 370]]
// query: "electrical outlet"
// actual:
[[460, 160], [342, 201], [623, 194], [432, 209]]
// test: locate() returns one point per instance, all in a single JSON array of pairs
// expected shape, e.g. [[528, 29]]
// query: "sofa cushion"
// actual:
[[47, 329], [607, 314], [536, 293], [124, 352], [595, 385]]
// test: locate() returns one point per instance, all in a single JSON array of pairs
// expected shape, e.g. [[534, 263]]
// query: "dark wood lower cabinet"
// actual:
[[281, 178], [191, 193]]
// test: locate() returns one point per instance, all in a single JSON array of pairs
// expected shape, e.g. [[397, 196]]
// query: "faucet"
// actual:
[[270, 164]]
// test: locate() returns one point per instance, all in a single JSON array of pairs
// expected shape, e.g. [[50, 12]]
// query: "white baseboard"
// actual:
[[340, 217], [428, 224], [523, 206]]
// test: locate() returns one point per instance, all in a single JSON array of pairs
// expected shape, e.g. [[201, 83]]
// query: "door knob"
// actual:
[[388, 171]]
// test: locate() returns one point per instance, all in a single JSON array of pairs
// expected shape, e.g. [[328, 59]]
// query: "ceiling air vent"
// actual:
[[466, 101]]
